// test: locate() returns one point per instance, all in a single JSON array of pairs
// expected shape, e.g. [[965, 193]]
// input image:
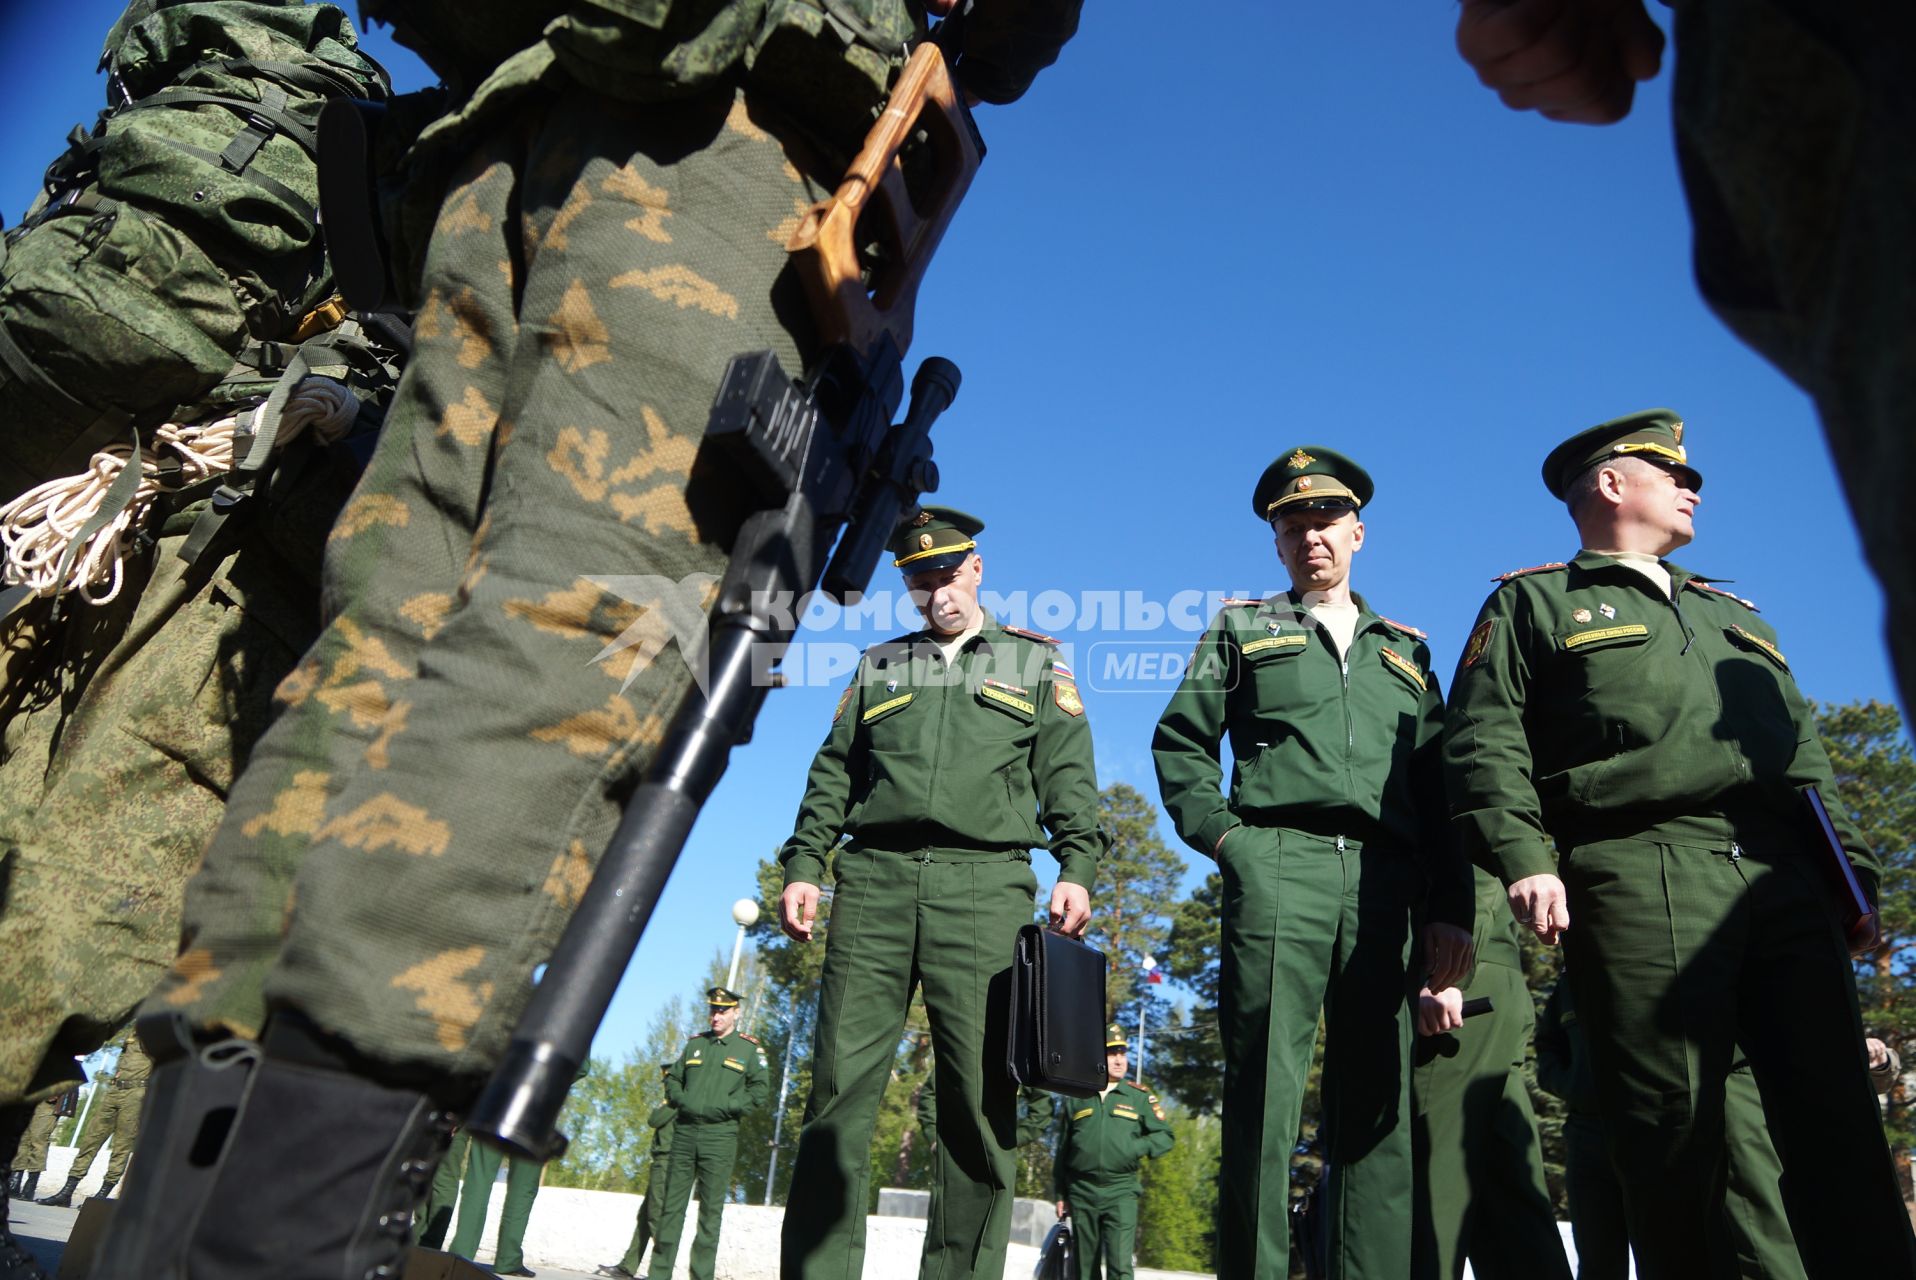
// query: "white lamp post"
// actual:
[[745, 915]]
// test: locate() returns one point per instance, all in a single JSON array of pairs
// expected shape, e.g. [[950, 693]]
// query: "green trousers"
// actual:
[[701, 1159], [32, 1156], [1758, 1224], [1794, 128], [419, 823], [646, 1229], [434, 1220], [1104, 1227], [1481, 1193], [1679, 956], [466, 1175], [901, 921], [115, 1115], [1307, 926]]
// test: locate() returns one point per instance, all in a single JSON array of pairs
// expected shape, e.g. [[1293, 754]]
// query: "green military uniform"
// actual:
[[664, 1123], [946, 773], [1335, 795], [466, 1175], [1104, 1140], [115, 1114], [1659, 740], [1034, 1113], [1753, 1197], [715, 1081], [1481, 1193]]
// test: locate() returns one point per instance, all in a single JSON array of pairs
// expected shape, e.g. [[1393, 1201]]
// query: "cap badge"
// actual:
[[1299, 460], [1304, 484], [924, 542], [924, 518], [1676, 429], [1608, 611], [1579, 615]]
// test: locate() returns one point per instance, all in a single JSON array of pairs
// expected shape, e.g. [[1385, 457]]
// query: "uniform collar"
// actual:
[[989, 630], [1366, 616]]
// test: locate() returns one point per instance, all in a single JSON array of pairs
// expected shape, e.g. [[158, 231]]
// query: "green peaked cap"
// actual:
[[1311, 478], [721, 998], [937, 538], [1655, 435], [1114, 1037]]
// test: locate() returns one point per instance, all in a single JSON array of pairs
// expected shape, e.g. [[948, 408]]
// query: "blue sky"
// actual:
[[1198, 243]]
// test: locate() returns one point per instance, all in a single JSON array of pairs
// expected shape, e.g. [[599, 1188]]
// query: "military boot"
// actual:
[[106, 1189], [13, 1184], [31, 1186], [319, 1179], [195, 1094], [63, 1198]]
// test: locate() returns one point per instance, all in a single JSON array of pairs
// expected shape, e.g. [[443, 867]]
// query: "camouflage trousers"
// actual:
[[115, 1115], [1795, 123], [32, 1156], [417, 826], [124, 727]]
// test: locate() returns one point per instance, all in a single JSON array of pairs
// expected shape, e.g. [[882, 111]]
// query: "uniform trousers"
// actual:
[[646, 1229], [1308, 926], [1104, 1226], [946, 921], [702, 1159], [116, 1115], [1679, 955]]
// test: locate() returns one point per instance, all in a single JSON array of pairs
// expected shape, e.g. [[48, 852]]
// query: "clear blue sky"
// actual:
[[1196, 244]]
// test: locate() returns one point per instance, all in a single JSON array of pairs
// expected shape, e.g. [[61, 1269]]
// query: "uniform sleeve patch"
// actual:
[[1065, 694], [1156, 1106], [1479, 642], [1514, 574]]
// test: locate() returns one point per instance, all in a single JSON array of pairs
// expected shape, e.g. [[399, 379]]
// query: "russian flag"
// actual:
[[1151, 971]]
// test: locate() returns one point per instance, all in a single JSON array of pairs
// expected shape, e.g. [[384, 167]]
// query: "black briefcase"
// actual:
[[1056, 1038]]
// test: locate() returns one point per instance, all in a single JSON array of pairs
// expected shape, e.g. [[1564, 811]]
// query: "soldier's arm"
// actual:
[[675, 1082], [1185, 747], [1553, 1046], [928, 1108], [1450, 886], [1065, 776], [1496, 815], [1034, 1115], [1008, 42], [1811, 767], [1154, 1131], [828, 791], [663, 1114], [758, 1078]]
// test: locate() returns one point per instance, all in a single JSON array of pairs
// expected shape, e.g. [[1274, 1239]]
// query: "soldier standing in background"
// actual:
[[115, 1115], [1649, 724], [664, 1123], [1333, 827], [1104, 1141], [721, 1075], [592, 233], [932, 889], [32, 1160], [1481, 1193]]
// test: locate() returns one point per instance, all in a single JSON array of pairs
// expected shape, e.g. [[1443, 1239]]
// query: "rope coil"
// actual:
[[37, 526]]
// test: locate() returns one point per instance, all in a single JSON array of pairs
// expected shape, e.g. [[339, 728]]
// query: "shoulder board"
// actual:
[[1231, 601], [1715, 590], [1514, 574], [747, 1038], [1039, 636], [1404, 627]]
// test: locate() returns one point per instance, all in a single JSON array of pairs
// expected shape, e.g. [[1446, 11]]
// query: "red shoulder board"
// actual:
[[1715, 590], [743, 1036], [1404, 627], [1231, 601], [1039, 636], [1514, 574]]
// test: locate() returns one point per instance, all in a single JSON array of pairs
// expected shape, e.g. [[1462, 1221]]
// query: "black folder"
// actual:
[[1056, 1039]]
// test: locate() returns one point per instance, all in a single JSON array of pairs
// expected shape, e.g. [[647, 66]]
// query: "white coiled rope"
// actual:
[[37, 527]]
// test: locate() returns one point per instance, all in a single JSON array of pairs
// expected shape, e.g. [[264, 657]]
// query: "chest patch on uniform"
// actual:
[[1065, 694], [735, 1064], [1761, 645], [1008, 695], [1599, 635], [1123, 1112], [1289, 643], [844, 700], [1079, 1115], [1479, 642], [885, 708], [1404, 667]]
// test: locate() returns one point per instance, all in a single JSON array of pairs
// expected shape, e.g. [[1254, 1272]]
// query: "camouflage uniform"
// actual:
[[39, 1136], [453, 737], [1794, 126], [115, 1114]]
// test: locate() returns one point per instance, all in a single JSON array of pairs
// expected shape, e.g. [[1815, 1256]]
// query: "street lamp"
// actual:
[[745, 915]]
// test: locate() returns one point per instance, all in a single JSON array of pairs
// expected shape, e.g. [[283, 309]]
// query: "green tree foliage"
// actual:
[[1138, 880], [1876, 784], [1188, 1058], [605, 1116], [1178, 1210]]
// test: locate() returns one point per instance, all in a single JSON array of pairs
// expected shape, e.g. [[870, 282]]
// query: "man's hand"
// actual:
[[1867, 935], [1070, 909], [1571, 60], [1448, 951], [1064, 1211], [1878, 1053], [1539, 903], [797, 908], [1440, 1011]]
